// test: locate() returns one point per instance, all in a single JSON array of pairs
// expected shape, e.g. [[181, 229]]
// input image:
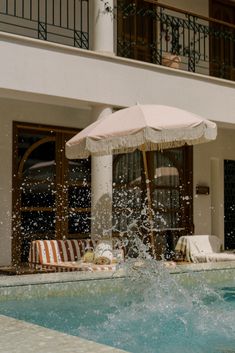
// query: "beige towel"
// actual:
[[102, 260], [88, 256]]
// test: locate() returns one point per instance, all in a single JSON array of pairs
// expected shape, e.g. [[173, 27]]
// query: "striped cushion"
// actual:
[[57, 251]]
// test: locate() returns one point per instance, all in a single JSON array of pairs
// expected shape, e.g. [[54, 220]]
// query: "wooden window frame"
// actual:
[[60, 135]]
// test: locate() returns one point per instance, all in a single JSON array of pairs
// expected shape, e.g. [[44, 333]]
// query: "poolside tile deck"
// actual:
[[22, 337]]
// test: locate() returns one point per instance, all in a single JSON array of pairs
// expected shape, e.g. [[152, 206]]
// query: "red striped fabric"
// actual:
[[60, 246], [47, 251], [75, 254], [52, 251], [67, 250], [39, 256]]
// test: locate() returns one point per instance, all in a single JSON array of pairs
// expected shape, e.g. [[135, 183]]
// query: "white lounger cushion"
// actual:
[[214, 257], [202, 248]]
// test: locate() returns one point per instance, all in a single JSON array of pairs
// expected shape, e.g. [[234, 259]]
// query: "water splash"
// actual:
[[160, 315]]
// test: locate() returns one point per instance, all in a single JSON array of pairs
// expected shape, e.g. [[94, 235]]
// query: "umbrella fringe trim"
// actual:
[[146, 140], [150, 139]]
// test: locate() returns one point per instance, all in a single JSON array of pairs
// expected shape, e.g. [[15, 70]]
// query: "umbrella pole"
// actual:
[[150, 216]]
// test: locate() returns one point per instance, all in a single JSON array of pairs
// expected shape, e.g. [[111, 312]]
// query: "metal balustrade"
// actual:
[[167, 36], [61, 21]]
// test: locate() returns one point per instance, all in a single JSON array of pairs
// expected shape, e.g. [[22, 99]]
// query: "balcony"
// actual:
[[152, 32], [64, 22]]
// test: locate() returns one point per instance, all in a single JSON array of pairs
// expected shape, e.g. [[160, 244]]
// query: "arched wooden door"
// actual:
[[51, 195]]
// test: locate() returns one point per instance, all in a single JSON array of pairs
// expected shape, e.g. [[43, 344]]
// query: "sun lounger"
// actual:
[[202, 248], [64, 255]]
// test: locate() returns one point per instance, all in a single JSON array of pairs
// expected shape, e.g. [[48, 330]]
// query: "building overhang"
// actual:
[[45, 72]]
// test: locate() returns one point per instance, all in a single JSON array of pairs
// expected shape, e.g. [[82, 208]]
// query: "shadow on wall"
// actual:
[[102, 217]]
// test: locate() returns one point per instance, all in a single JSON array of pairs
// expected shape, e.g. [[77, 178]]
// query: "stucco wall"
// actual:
[[200, 7], [60, 75], [209, 170]]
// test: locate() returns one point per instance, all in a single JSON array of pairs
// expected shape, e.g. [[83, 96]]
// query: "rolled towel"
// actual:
[[102, 260], [88, 256], [103, 253]]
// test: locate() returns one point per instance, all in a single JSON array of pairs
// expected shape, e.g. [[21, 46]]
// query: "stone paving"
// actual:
[[22, 337]]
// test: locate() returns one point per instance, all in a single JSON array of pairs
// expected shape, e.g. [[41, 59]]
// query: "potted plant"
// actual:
[[171, 60], [171, 56]]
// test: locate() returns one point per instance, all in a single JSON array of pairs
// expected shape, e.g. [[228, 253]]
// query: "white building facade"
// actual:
[[51, 88]]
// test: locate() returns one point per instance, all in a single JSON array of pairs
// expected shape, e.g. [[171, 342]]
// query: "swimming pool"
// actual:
[[193, 313]]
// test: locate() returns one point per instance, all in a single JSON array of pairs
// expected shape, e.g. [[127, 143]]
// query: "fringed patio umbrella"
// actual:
[[142, 127]]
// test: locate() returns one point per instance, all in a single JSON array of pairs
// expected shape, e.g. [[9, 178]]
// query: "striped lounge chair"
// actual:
[[63, 256]]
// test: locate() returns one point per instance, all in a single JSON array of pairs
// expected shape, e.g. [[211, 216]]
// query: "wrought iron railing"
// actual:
[[167, 36], [61, 21]]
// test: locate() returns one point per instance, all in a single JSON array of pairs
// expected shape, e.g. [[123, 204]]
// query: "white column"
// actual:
[[101, 188], [103, 26], [101, 167]]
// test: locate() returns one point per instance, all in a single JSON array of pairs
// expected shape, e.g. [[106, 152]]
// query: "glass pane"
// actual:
[[80, 223], [166, 220], [127, 193], [165, 170], [166, 199], [127, 198], [40, 161], [37, 222], [80, 170], [168, 176], [79, 197], [126, 221], [26, 138], [40, 171], [35, 225], [128, 168], [37, 195]]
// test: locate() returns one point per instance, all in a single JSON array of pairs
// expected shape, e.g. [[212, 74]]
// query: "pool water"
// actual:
[[143, 315]]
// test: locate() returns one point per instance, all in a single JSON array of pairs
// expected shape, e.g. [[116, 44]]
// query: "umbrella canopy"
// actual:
[[143, 127]]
